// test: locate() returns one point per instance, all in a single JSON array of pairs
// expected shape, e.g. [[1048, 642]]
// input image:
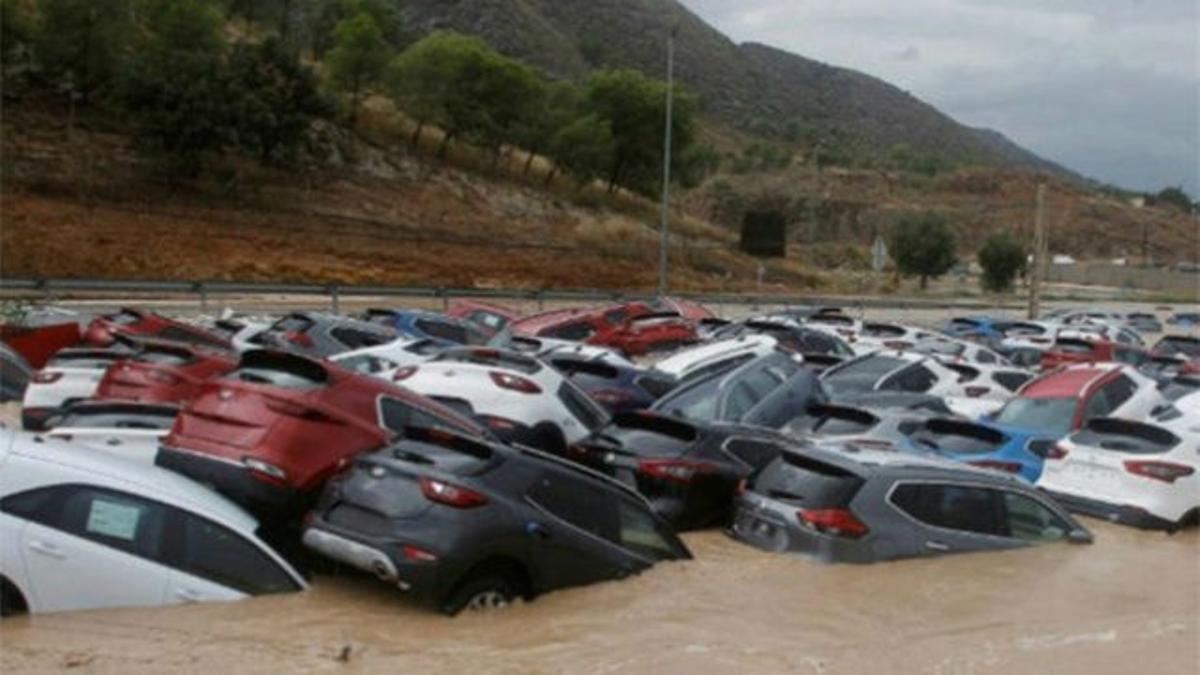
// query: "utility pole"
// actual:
[[1039, 253], [664, 240]]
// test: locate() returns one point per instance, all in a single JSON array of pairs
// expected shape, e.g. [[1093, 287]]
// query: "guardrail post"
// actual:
[[203, 297], [541, 299], [334, 300]]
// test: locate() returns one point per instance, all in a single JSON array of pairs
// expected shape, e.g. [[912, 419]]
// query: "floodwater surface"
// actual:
[[1128, 603]]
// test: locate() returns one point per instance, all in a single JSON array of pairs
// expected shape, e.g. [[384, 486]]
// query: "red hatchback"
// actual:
[[616, 326], [1067, 351], [163, 373], [272, 431], [104, 329]]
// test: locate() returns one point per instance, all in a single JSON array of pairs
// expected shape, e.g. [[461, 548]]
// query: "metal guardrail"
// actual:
[[25, 287]]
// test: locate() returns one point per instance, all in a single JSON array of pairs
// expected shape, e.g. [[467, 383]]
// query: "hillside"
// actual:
[[751, 87]]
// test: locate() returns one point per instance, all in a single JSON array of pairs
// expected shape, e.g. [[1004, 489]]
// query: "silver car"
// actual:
[[843, 504]]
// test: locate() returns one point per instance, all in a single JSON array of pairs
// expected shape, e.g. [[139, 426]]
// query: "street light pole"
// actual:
[[664, 236]]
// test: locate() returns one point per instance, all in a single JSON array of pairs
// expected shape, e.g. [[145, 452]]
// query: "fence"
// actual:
[[1119, 276]]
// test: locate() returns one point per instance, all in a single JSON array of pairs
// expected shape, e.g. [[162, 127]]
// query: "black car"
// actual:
[[689, 470], [464, 523], [617, 387]]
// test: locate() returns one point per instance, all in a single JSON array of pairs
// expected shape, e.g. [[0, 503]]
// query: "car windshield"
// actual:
[[1053, 416]]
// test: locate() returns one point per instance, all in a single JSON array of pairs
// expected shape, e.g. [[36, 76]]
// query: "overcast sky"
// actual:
[[1109, 88]]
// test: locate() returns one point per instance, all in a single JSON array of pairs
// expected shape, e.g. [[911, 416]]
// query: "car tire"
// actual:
[[482, 593], [12, 602]]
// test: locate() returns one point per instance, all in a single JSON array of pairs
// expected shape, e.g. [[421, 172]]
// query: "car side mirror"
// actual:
[[1079, 536]]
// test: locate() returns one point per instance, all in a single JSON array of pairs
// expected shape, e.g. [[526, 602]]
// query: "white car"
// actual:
[[950, 350], [122, 428], [985, 388], [706, 359], [541, 347], [518, 397], [81, 529], [244, 334], [892, 371], [70, 375], [384, 360], [845, 327], [1138, 473], [881, 335]]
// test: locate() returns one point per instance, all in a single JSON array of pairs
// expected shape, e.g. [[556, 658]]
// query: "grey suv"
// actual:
[[839, 503]]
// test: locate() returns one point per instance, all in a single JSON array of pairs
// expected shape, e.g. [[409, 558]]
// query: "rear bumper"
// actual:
[[267, 500], [768, 531], [34, 419], [1124, 514], [423, 582]]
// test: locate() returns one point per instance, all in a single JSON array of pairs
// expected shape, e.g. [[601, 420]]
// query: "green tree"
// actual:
[[16, 45], [923, 246], [584, 148], [1002, 259], [81, 43], [358, 58], [1177, 197], [635, 108], [556, 107], [175, 86], [322, 20], [273, 99]]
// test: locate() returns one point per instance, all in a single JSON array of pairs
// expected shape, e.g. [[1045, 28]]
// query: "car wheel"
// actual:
[[481, 594], [12, 602]]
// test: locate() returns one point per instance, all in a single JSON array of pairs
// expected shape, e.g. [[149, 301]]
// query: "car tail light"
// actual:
[[610, 397], [485, 353], [1166, 472], [514, 383], [1056, 451], [677, 470], [418, 554], [404, 373], [451, 495], [42, 377], [265, 471], [1007, 467], [299, 339], [500, 424], [837, 522], [976, 392]]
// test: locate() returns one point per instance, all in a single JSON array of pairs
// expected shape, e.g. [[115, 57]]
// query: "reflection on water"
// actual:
[[1127, 603]]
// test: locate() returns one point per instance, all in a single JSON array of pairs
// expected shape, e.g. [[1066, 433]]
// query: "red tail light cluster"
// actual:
[[1166, 472], [1009, 467], [418, 554], [499, 424], [299, 339], [1057, 451], [676, 470], [451, 495], [836, 522], [610, 396], [514, 383], [404, 373]]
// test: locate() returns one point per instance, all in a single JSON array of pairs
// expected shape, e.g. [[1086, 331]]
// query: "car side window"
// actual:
[[1119, 391], [443, 330], [114, 519], [985, 356], [918, 379], [1031, 521], [579, 505], [1097, 406], [642, 534], [719, 366], [616, 317], [220, 555], [578, 331], [397, 416], [741, 399], [1011, 381], [954, 507], [1130, 356], [40, 506]]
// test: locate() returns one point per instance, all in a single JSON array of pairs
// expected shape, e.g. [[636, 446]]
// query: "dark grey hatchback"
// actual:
[[842, 504], [464, 523]]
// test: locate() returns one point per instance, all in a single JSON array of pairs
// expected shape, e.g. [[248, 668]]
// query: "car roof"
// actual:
[[92, 467], [867, 462], [1069, 382]]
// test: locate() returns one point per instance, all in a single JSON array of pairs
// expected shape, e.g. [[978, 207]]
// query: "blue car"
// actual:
[[1020, 452], [420, 324], [975, 327], [615, 386]]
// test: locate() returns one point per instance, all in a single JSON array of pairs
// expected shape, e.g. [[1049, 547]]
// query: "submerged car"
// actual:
[[1067, 350], [466, 524], [270, 433], [15, 373], [163, 373], [136, 323], [728, 396], [708, 359], [845, 504], [618, 388], [419, 324], [688, 470], [1132, 472], [127, 429], [80, 529], [490, 319], [633, 328], [70, 375], [889, 371], [321, 334]]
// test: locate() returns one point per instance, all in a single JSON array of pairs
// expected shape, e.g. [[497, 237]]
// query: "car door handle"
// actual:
[[937, 546], [187, 595], [47, 549]]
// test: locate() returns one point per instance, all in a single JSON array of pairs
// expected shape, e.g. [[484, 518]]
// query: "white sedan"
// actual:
[[81, 529], [70, 375]]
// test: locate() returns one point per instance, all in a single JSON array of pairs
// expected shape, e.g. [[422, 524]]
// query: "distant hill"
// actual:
[[751, 87]]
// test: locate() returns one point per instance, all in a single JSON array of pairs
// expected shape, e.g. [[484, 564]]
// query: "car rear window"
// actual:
[[293, 323], [81, 418], [85, 359], [583, 408], [807, 482], [1071, 346], [1125, 436], [882, 330], [654, 385], [871, 367], [1054, 416], [959, 437], [279, 369], [492, 357], [443, 330], [1179, 345]]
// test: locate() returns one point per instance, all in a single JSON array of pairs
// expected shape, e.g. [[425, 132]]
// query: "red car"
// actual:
[[1074, 350], [163, 373], [618, 326], [272, 431], [138, 323], [685, 308], [38, 344], [491, 318]]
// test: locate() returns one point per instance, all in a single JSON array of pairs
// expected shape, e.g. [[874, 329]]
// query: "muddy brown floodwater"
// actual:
[[1127, 604]]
